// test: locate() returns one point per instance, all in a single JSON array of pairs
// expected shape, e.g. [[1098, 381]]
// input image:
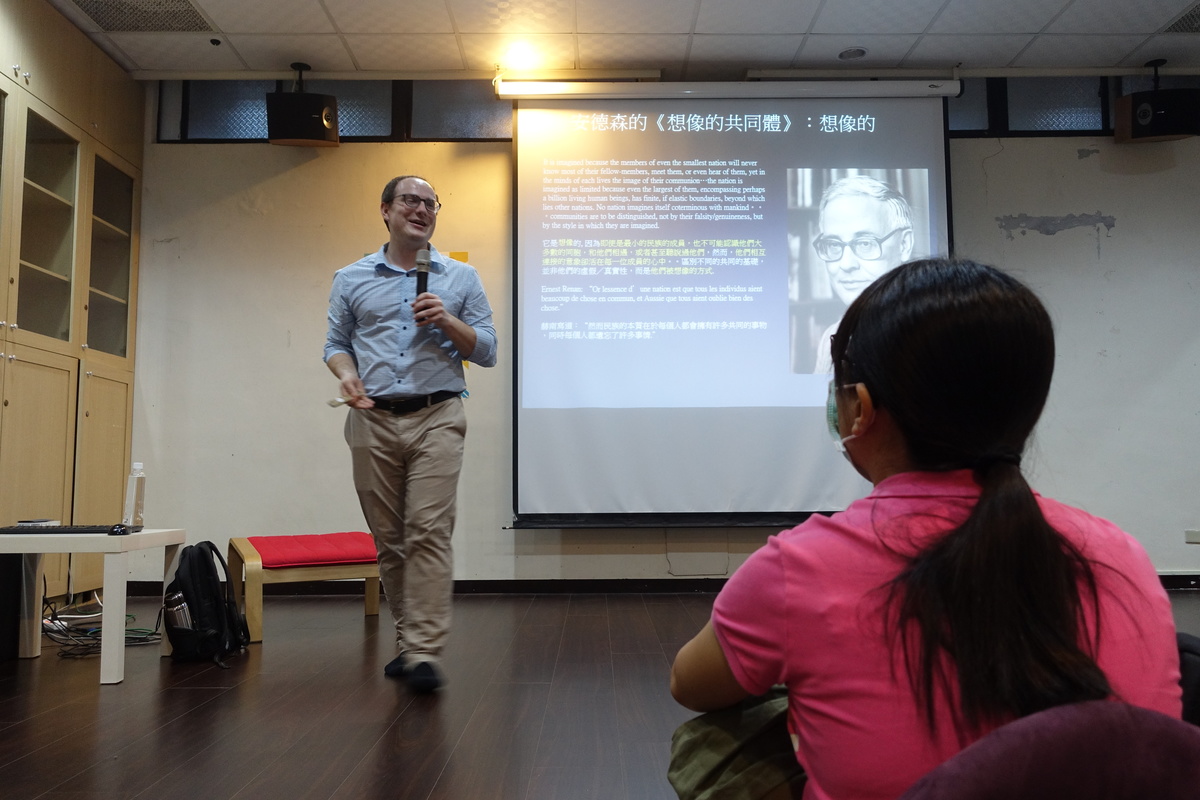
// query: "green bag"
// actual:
[[738, 752]]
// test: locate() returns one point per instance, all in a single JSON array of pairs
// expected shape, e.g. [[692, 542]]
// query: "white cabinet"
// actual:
[[46, 56], [109, 307], [46, 208], [38, 391], [70, 155]]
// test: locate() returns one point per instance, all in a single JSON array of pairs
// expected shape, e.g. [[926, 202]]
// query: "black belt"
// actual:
[[408, 405]]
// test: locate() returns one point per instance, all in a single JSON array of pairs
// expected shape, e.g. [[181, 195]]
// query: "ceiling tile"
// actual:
[[1179, 49], [1077, 51], [636, 16], [821, 51], [989, 16], [746, 52], [970, 51], [275, 16], [322, 53], [1119, 16], [631, 50], [683, 39], [192, 52], [876, 16], [390, 16], [485, 50], [386, 52], [510, 16], [759, 16]]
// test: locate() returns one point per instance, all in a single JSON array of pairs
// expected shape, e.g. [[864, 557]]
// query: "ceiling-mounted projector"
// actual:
[[300, 118], [1159, 115]]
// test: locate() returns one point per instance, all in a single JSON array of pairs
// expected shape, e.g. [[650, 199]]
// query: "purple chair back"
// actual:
[[1098, 750]]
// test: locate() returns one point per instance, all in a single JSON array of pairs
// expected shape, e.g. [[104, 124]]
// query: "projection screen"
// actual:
[[672, 308]]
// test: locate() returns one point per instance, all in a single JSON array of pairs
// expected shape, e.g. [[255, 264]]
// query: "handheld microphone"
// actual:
[[422, 271]]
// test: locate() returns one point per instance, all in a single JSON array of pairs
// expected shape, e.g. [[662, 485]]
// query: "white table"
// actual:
[[116, 550]]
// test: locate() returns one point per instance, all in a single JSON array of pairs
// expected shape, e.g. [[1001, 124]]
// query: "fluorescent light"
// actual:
[[531, 90]]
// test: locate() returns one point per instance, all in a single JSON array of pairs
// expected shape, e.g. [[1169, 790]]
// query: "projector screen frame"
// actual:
[[654, 519]]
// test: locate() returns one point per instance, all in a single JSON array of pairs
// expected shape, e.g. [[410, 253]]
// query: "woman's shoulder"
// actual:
[[1082, 527], [1102, 541]]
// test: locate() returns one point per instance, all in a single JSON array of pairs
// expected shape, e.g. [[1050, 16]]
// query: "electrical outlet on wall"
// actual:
[[1191, 537]]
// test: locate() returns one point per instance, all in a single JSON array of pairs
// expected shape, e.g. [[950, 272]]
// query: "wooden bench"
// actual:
[[292, 559]]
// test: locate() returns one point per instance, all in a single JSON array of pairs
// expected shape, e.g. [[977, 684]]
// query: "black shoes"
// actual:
[[395, 667], [422, 677]]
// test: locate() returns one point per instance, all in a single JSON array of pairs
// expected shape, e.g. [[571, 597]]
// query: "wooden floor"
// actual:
[[548, 697]]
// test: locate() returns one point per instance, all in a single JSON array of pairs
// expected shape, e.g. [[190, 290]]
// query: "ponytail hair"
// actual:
[[961, 355]]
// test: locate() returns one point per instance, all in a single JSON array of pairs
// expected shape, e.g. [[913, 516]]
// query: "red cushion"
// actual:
[[314, 549]]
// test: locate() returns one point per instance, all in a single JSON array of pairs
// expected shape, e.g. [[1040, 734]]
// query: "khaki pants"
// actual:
[[406, 471]]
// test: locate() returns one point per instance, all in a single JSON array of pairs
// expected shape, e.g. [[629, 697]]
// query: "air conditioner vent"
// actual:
[[128, 16], [1188, 23]]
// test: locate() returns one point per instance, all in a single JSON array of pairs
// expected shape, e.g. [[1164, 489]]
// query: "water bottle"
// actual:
[[135, 498], [176, 610]]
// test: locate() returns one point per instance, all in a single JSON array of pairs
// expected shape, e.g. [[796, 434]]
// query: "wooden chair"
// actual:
[[257, 560]]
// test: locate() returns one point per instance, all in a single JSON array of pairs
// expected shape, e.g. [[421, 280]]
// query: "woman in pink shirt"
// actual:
[[953, 598]]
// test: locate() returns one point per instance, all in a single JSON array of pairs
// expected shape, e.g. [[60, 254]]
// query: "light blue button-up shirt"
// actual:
[[371, 320]]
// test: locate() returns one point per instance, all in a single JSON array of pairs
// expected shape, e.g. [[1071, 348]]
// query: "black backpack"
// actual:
[[201, 619]]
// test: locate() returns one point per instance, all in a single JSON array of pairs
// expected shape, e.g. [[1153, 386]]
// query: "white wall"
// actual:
[[239, 244], [1113, 248]]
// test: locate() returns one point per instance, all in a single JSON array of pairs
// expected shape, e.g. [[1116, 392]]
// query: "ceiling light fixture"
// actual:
[[852, 54], [519, 55]]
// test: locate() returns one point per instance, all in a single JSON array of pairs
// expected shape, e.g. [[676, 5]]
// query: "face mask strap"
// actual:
[[840, 444], [831, 419]]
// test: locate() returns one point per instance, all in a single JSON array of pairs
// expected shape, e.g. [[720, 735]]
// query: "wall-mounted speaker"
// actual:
[[1159, 115], [303, 119]]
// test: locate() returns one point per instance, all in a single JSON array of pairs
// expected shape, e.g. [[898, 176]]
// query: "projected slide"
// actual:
[[685, 262]]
